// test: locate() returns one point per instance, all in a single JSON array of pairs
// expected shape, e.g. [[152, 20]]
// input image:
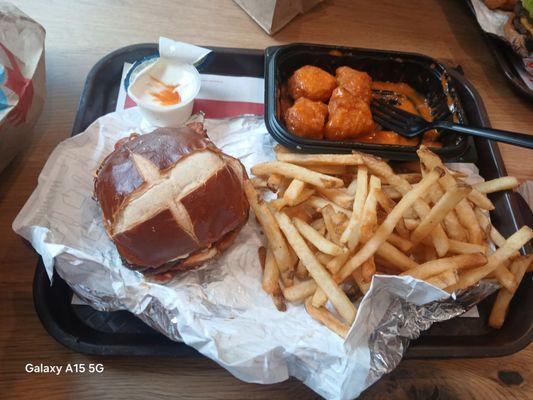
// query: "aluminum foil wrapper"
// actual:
[[220, 308]]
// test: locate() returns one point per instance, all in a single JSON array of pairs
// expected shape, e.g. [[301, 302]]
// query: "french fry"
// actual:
[[386, 228], [328, 169], [352, 187], [306, 194], [369, 217], [391, 192], [465, 212], [299, 291], [483, 220], [338, 218], [271, 275], [438, 266], [297, 172], [360, 282], [480, 200], [499, 241], [511, 245], [294, 190], [317, 240], [352, 232], [411, 224], [319, 203], [301, 211], [498, 184], [382, 264], [323, 258], [452, 226], [444, 279], [443, 206], [335, 294], [277, 204], [323, 316], [387, 204], [274, 181], [319, 298], [276, 241], [368, 269], [496, 237], [501, 273], [457, 247], [395, 257], [270, 281], [505, 277], [337, 196], [384, 200], [320, 159], [301, 271], [403, 244], [501, 304], [331, 227], [259, 183], [318, 224], [336, 263]]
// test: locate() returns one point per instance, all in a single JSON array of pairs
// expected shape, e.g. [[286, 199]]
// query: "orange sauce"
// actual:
[[386, 137], [168, 95], [411, 101]]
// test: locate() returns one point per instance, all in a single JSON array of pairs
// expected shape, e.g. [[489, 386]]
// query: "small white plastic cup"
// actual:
[[167, 116]]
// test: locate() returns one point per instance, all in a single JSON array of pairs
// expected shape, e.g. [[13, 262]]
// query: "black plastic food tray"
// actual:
[[506, 58], [85, 330]]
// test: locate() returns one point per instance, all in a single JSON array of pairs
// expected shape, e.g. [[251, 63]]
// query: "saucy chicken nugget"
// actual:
[[342, 98], [311, 82], [358, 83], [349, 122], [306, 118]]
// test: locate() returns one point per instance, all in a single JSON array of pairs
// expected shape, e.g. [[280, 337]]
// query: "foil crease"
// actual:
[[220, 309], [405, 321]]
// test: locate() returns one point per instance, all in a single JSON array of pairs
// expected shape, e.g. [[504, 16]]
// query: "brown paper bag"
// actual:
[[272, 15]]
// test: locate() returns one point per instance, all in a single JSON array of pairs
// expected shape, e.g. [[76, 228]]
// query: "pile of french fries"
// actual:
[[338, 219]]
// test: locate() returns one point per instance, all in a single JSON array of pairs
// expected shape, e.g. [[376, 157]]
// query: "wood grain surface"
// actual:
[[79, 33]]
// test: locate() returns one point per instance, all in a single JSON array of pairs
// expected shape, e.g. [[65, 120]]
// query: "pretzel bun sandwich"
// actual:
[[170, 199]]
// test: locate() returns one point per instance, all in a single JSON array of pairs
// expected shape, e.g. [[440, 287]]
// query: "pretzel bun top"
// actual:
[[170, 199]]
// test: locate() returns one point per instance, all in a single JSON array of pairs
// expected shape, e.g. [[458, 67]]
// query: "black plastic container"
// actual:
[[85, 330], [422, 73]]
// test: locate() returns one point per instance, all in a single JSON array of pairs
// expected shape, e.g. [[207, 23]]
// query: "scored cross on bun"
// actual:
[[170, 199]]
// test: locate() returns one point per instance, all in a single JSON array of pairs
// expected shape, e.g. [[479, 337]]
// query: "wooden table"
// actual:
[[79, 34]]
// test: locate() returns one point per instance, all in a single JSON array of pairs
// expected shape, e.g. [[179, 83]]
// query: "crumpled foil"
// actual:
[[220, 308]]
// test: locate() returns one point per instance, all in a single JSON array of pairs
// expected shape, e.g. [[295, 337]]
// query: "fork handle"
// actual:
[[517, 139]]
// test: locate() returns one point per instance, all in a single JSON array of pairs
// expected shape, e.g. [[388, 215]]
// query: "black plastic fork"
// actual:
[[410, 125]]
